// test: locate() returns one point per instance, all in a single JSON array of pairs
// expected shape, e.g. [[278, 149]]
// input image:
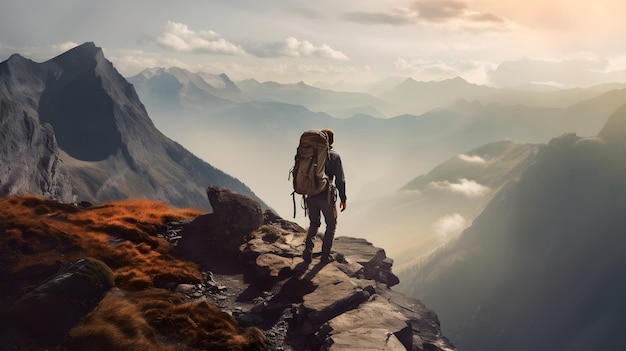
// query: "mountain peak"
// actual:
[[76, 115], [16, 62], [17, 58], [86, 50]]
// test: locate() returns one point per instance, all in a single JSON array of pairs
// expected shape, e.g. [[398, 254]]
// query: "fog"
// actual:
[[252, 134], [264, 163], [475, 200]]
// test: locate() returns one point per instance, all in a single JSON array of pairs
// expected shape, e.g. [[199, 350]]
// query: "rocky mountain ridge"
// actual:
[[251, 269], [75, 130]]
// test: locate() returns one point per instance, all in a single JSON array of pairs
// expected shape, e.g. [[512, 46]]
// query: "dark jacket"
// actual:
[[334, 171]]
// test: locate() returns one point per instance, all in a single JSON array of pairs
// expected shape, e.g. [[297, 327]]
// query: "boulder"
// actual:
[[275, 240], [334, 294], [270, 217], [365, 339], [52, 309], [274, 266], [219, 234], [377, 315], [376, 265], [238, 215], [424, 322]]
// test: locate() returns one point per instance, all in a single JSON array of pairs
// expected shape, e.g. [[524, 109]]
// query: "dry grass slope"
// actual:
[[38, 237]]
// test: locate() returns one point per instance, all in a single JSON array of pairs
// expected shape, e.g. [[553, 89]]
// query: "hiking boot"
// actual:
[[326, 259]]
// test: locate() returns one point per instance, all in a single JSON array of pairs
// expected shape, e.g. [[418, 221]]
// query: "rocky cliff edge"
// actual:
[[343, 305], [137, 274]]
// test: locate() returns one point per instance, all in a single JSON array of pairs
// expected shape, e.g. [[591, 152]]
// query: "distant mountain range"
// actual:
[[259, 125], [519, 240], [540, 265], [73, 129], [543, 267]]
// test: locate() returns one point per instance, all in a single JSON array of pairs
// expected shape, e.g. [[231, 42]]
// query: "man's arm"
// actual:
[[340, 180]]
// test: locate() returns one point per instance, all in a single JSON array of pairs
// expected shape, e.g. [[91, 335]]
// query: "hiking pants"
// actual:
[[317, 205]]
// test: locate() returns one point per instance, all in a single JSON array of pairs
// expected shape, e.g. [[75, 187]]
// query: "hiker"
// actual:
[[324, 203]]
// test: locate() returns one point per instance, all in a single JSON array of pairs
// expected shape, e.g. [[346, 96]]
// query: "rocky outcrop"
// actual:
[[343, 305], [238, 215], [221, 232], [52, 309]]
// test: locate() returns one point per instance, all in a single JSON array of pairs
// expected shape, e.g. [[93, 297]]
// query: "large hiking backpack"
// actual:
[[309, 170]]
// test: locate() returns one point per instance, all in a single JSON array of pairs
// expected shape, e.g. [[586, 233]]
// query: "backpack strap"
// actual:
[[302, 203]]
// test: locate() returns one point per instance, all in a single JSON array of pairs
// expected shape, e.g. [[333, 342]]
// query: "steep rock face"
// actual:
[[29, 153], [74, 126], [346, 304], [542, 268]]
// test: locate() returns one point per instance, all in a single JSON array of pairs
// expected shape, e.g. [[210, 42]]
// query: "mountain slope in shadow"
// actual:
[[543, 267]]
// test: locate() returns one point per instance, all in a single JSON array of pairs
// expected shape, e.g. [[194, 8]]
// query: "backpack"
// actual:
[[309, 170]]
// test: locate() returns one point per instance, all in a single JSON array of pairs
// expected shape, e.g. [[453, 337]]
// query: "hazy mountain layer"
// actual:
[[542, 268], [74, 129], [259, 127], [434, 208], [415, 97]]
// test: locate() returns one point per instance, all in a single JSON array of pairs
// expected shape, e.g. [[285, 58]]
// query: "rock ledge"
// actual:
[[343, 305]]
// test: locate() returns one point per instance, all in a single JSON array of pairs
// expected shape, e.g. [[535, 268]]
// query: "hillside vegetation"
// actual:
[[39, 238]]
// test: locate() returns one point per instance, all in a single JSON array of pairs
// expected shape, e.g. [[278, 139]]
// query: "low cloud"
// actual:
[[379, 18], [470, 70], [425, 67], [465, 187], [577, 70], [454, 13], [472, 159], [293, 47], [440, 10], [178, 37], [449, 225]]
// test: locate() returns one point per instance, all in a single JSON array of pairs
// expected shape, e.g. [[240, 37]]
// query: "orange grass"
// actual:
[[39, 236], [129, 321], [117, 324], [41, 233]]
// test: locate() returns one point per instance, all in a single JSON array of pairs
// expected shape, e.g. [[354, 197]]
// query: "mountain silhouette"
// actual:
[[75, 129], [542, 268]]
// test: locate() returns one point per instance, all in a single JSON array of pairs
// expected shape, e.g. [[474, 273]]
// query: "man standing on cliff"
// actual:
[[324, 204]]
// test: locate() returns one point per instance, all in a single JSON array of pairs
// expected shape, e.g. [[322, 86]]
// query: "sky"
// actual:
[[499, 43]]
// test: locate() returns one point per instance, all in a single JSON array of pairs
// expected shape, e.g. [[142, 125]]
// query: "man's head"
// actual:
[[331, 135]]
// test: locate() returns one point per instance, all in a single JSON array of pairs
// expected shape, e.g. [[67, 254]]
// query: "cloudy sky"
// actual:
[[495, 42]]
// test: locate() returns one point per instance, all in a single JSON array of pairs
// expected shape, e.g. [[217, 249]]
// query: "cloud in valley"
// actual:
[[449, 225], [465, 187]]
